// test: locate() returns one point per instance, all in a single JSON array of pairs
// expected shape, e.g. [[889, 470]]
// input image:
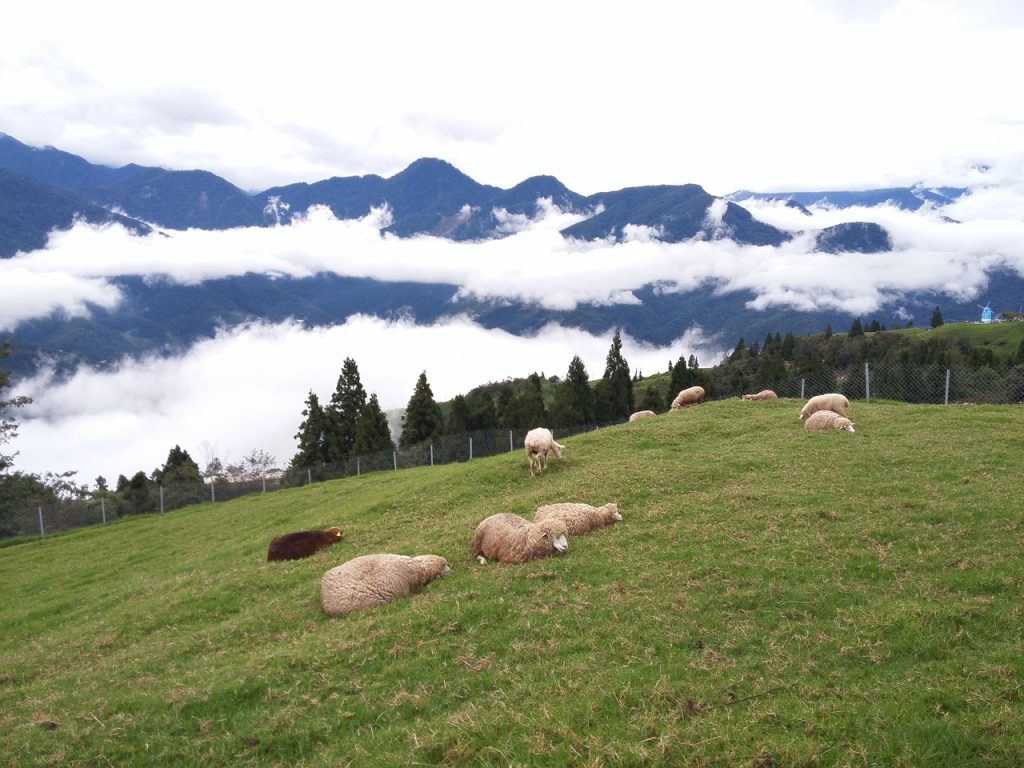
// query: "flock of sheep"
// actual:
[[372, 580]]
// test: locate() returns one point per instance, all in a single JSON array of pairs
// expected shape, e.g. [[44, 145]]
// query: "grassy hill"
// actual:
[[772, 597]]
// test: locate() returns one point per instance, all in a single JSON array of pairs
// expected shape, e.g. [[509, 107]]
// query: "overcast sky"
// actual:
[[732, 94], [769, 96]]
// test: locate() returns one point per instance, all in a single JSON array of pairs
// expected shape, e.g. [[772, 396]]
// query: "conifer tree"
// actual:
[[458, 416], [856, 328], [482, 412], [311, 434], [532, 412], [937, 318], [343, 413], [565, 410], [508, 407], [578, 378], [373, 433], [615, 397], [422, 419]]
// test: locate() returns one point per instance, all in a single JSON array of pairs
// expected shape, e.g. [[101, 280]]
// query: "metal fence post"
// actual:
[[309, 475], [510, 448], [802, 382], [213, 495], [394, 458], [471, 449], [264, 479], [431, 454], [161, 487], [946, 402], [42, 532], [357, 467], [867, 382], [103, 509]]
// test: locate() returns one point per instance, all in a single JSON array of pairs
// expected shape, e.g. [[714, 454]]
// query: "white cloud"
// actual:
[[246, 388]]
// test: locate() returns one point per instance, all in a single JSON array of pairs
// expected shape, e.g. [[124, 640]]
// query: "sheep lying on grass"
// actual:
[[538, 443], [764, 394], [510, 538], [642, 415], [372, 580], [579, 518], [833, 401], [821, 421], [687, 397], [294, 546]]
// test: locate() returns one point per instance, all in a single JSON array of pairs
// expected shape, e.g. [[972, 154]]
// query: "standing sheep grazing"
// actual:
[[642, 415], [538, 443], [372, 580], [821, 421], [764, 394], [579, 518], [295, 546], [687, 397], [510, 538], [833, 401]]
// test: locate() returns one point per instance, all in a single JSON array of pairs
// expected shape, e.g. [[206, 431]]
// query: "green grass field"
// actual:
[[772, 597]]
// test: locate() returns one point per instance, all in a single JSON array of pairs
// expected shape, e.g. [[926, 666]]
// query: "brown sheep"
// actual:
[[764, 394], [687, 397], [510, 538], [295, 546], [372, 580], [833, 401], [579, 518], [821, 421]]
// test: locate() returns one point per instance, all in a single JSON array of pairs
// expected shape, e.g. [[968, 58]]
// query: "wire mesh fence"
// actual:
[[900, 382]]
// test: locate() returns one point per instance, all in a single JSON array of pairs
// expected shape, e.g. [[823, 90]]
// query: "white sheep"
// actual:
[[642, 415], [510, 538], [687, 397], [538, 443], [372, 580], [579, 518], [821, 421], [832, 401], [764, 394]]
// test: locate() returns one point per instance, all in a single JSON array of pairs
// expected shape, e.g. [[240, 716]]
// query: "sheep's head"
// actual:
[[557, 449], [432, 565], [845, 424], [553, 535], [613, 508]]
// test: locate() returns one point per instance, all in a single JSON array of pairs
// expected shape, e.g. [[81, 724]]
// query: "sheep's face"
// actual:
[[560, 542], [845, 424], [554, 535], [557, 449]]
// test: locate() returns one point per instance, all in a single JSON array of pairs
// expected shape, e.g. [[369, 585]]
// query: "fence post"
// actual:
[[946, 402], [42, 532], [213, 494], [394, 459], [357, 467], [510, 448], [264, 479], [431, 454], [309, 475], [867, 382], [802, 382], [161, 486], [471, 449], [103, 509]]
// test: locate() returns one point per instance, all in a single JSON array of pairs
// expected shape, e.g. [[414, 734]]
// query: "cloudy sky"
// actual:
[[769, 96]]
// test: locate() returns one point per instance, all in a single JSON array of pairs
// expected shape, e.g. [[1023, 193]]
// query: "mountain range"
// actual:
[[47, 189]]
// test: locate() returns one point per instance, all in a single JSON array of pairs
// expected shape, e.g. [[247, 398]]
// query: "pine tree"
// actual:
[[937, 318], [507, 407], [579, 380], [565, 410], [532, 412], [422, 419], [373, 433], [343, 413], [682, 378], [615, 398], [311, 435], [482, 412], [458, 416], [856, 329]]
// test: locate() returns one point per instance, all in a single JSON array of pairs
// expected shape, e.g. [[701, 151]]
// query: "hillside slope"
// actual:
[[771, 597]]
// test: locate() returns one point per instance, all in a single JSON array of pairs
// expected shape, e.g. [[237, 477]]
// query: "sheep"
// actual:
[[642, 415], [538, 443], [294, 546], [832, 401], [510, 538], [371, 580], [687, 397], [579, 518], [827, 420], [764, 394]]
